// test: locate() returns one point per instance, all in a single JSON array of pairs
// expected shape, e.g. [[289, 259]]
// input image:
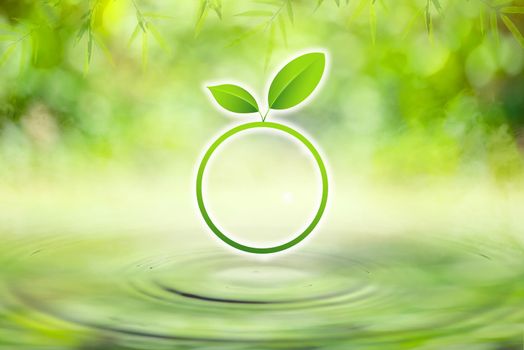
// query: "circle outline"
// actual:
[[200, 198]]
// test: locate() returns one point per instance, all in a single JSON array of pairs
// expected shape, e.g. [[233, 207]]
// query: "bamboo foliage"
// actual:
[[274, 18]]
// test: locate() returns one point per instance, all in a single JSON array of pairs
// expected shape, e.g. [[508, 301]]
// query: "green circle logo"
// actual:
[[294, 83], [296, 135]]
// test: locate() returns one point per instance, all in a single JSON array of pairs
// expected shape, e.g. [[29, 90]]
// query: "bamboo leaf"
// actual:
[[158, 37], [133, 36], [513, 29], [497, 3], [201, 18], [436, 4], [290, 11], [513, 9], [482, 21], [81, 32], [373, 23], [100, 43], [89, 50], [145, 49], [7, 54], [23, 55], [428, 18], [216, 5], [247, 34], [494, 26]]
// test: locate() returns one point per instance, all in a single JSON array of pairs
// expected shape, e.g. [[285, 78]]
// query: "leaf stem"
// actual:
[[265, 115]]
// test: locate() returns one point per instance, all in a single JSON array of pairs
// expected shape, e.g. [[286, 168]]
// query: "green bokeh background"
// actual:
[[104, 117]]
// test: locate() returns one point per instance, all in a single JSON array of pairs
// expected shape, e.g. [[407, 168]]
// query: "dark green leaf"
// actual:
[[513, 29], [234, 98], [296, 81]]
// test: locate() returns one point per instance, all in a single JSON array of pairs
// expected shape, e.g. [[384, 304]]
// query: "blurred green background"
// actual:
[[104, 116], [415, 89]]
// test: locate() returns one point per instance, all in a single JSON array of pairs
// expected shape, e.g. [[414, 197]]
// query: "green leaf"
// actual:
[[482, 21], [513, 9], [134, 35], [373, 23], [145, 49], [290, 13], [201, 16], [82, 31], [258, 28], [89, 51], [428, 18], [513, 29], [216, 5], [437, 5], [234, 98], [7, 53], [296, 81], [158, 37], [494, 26], [100, 43]]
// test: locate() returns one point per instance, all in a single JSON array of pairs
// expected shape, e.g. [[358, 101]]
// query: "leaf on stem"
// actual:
[[296, 81], [234, 98]]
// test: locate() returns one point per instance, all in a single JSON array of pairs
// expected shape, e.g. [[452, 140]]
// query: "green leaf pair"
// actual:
[[292, 85]]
